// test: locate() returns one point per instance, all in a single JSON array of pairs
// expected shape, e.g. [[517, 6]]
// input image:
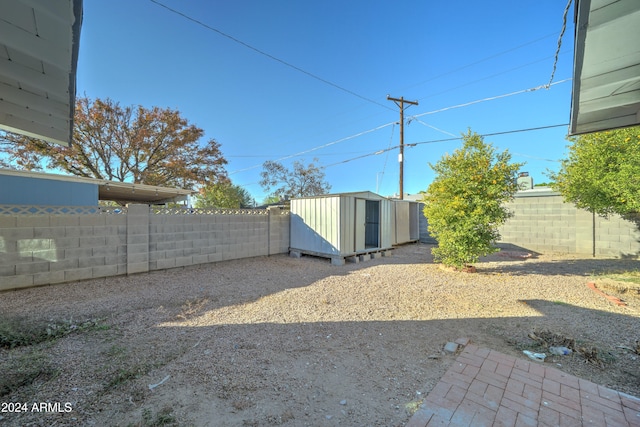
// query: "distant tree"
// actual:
[[224, 195], [301, 181], [602, 172], [134, 144], [270, 200], [464, 205]]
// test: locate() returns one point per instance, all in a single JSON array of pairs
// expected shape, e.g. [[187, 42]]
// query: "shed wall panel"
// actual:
[[401, 222], [386, 212], [328, 225], [314, 225]]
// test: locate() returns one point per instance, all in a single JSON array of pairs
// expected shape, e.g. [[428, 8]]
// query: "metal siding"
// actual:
[[347, 224], [328, 225], [401, 222], [359, 224], [386, 209], [414, 221], [314, 225]]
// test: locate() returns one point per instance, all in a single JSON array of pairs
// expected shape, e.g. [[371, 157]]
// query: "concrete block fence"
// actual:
[[542, 222], [48, 245]]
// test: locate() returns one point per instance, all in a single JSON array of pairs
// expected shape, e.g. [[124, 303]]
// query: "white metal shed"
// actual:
[[339, 226]]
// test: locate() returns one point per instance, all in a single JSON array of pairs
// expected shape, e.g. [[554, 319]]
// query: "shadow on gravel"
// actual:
[[580, 267]]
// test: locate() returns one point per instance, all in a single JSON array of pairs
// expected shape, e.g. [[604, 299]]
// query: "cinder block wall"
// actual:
[[182, 240], [543, 222], [46, 249], [41, 248]]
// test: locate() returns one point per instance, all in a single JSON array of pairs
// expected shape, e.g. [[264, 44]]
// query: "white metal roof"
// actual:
[[606, 77], [39, 43]]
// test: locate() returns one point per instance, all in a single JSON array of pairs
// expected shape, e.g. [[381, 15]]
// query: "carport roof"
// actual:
[[39, 43]]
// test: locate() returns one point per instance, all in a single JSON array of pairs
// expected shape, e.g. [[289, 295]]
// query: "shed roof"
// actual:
[[39, 44], [359, 194], [122, 192], [606, 76]]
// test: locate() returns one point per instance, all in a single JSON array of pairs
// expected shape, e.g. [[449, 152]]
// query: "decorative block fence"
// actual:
[[47, 245]]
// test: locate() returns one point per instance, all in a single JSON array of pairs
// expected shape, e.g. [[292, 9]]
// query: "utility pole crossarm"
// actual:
[[400, 103]]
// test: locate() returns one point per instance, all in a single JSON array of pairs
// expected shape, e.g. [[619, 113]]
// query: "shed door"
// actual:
[[372, 224], [360, 225]]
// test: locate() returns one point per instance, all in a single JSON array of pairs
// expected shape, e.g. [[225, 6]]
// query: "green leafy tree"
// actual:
[[300, 182], [224, 195], [464, 205], [270, 200], [601, 173], [130, 144]]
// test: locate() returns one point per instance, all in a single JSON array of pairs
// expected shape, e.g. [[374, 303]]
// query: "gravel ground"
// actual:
[[298, 342]]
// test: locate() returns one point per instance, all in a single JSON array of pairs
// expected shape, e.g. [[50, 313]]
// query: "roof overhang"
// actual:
[[121, 192], [39, 44], [606, 76]]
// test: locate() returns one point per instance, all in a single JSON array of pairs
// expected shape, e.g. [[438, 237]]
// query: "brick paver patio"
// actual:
[[487, 388]]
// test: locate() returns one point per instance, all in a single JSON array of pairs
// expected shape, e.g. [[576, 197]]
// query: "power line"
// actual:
[[318, 147], [532, 89], [455, 70], [492, 98], [268, 55], [447, 140], [564, 27], [386, 158]]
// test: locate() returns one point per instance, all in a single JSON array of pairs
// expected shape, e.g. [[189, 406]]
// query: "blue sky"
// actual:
[[316, 75]]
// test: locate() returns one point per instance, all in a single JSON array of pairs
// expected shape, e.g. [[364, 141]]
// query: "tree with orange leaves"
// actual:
[[129, 144]]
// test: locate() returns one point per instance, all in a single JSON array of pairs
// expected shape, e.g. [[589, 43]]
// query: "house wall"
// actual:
[[20, 190], [40, 246]]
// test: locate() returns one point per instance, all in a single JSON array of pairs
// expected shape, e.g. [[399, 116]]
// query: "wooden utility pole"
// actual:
[[400, 103]]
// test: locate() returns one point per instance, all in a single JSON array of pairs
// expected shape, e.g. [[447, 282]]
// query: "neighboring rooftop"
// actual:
[[121, 192]]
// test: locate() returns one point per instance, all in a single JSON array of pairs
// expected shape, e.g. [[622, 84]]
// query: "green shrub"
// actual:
[[464, 205]]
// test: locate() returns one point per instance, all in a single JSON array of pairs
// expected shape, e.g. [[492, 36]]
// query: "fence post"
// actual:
[[273, 213], [137, 238]]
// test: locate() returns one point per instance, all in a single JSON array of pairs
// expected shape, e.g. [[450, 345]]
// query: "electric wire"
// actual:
[[564, 27], [384, 167], [414, 117], [268, 55], [455, 70], [432, 127], [325, 81], [300, 153], [491, 98], [448, 140]]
